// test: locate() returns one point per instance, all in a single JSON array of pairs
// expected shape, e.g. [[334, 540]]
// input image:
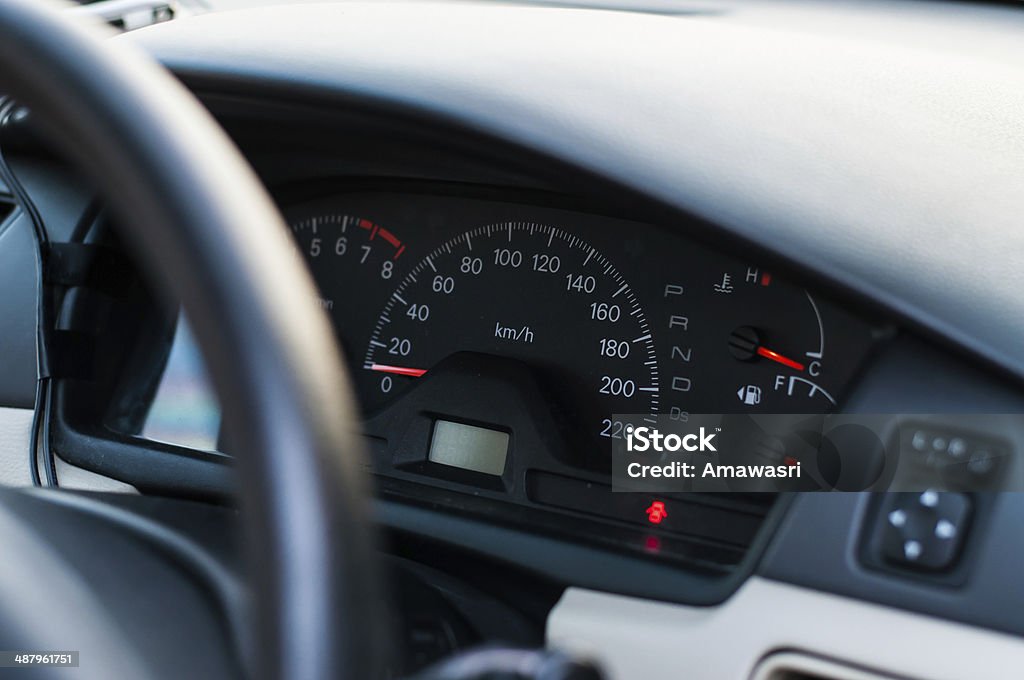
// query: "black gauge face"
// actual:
[[499, 348], [737, 339], [527, 292], [564, 319]]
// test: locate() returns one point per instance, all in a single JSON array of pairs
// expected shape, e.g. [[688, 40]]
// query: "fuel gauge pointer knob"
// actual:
[[745, 345]]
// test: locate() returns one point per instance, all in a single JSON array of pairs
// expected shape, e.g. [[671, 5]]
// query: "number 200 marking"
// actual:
[[617, 387]]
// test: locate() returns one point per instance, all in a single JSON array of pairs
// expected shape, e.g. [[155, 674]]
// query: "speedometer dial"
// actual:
[[528, 292]]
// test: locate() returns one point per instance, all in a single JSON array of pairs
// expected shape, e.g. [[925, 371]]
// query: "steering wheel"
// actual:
[[198, 217]]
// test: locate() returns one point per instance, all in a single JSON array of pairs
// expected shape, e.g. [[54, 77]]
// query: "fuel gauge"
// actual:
[[782, 344], [746, 344], [741, 340]]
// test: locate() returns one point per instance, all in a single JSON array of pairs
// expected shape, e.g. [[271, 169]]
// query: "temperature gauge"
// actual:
[[740, 340]]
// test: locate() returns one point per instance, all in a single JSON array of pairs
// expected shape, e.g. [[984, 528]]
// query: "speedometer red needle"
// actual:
[[775, 356], [398, 370]]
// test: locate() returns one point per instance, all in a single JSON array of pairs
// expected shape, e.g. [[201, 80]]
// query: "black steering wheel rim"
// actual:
[[199, 218]]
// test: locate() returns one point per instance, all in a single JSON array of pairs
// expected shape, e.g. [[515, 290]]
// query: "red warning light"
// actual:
[[766, 279], [656, 512]]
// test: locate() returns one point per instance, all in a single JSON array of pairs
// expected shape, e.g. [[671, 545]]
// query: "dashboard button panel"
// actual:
[[924, 530]]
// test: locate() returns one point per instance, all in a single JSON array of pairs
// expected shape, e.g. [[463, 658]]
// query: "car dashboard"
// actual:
[[503, 320]]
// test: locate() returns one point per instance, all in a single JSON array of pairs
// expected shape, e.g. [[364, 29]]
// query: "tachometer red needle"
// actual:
[[775, 356], [398, 370]]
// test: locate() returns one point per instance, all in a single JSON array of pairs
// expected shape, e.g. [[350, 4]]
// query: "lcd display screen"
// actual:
[[469, 447]]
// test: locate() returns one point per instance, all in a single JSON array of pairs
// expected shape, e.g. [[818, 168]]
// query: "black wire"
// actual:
[[78, 235], [49, 459], [33, 451], [44, 316]]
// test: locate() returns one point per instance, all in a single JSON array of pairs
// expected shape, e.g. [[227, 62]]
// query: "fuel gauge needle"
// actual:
[[778, 358], [398, 370]]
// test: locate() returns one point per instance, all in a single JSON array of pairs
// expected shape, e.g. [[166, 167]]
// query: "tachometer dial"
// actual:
[[336, 242], [355, 262], [529, 292]]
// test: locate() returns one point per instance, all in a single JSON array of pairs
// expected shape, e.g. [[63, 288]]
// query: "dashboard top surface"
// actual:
[[902, 183]]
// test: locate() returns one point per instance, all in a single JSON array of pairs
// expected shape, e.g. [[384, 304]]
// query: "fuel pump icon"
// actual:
[[749, 395]]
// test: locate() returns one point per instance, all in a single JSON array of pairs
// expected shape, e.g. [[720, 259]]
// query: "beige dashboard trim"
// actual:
[[15, 433], [794, 666], [15, 429], [636, 639]]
